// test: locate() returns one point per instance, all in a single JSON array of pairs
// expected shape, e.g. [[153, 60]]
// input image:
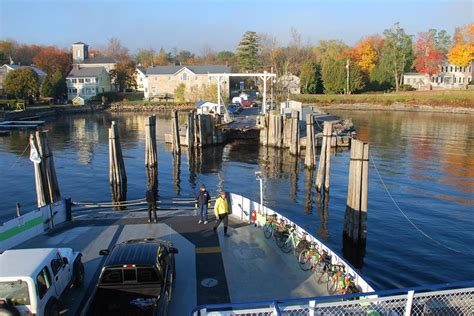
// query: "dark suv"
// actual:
[[137, 279]]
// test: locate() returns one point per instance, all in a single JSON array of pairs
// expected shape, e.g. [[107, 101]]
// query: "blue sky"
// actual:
[[218, 24]]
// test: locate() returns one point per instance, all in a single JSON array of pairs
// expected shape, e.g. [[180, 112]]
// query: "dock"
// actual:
[[211, 268], [14, 125]]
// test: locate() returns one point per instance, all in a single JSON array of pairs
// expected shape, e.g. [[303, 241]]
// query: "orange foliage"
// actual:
[[428, 58], [367, 52], [51, 59], [462, 52]]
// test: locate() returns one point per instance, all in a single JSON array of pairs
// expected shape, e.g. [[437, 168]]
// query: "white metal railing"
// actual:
[[414, 301]]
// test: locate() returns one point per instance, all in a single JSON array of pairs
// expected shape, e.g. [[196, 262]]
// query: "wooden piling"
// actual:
[[310, 154], [264, 121], [117, 173], [322, 176], [190, 130], [151, 159], [47, 187], [357, 198], [295, 133], [175, 145]]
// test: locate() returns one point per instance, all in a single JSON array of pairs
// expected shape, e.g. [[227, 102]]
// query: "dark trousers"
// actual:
[[203, 212], [152, 208], [225, 219]]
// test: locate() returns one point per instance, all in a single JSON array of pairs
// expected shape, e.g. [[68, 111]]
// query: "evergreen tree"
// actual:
[[334, 76], [248, 52], [46, 89], [310, 76]]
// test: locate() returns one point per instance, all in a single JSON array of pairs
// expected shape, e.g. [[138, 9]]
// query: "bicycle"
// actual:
[[309, 257], [292, 241], [336, 278], [274, 228]]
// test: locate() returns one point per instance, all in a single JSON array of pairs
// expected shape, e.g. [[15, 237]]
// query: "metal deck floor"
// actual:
[[246, 266]]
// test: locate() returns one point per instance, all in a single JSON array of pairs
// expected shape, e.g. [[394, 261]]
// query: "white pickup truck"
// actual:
[[33, 280]]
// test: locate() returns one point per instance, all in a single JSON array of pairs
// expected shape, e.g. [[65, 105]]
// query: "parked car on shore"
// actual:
[[250, 104], [234, 108], [137, 279], [33, 280]]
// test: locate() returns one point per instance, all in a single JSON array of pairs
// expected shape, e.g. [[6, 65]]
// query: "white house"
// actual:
[[87, 82], [449, 77], [140, 78]]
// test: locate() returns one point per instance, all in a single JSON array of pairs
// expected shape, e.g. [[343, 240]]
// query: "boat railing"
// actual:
[[243, 208], [441, 299]]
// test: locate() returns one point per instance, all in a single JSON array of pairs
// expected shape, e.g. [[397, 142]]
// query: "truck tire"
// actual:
[[52, 308], [78, 274]]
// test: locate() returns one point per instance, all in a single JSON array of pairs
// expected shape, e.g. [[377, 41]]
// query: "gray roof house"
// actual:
[[9, 67], [163, 81]]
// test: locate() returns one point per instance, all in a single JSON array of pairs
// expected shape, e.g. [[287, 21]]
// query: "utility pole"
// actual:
[[347, 76], [271, 87]]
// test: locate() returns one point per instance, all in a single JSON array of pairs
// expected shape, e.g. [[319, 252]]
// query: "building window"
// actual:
[[81, 80], [169, 77], [74, 80], [469, 68], [78, 52], [74, 90], [88, 80], [196, 77], [184, 76]]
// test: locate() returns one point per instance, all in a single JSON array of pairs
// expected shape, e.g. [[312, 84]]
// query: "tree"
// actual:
[[22, 83], [123, 75], [366, 53], [184, 57], [116, 50], [179, 92], [53, 86], [225, 57], [162, 58], [333, 74], [428, 58], [462, 53], [248, 52], [145, 57], [24, 54], [310, 77], [7, 50], [442, 40], [397, 53], [50, 59]]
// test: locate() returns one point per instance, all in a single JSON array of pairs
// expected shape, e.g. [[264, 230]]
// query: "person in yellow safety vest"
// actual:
[[221, 210]]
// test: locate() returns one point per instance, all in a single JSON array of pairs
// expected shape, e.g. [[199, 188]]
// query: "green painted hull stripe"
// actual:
[[19, 229]]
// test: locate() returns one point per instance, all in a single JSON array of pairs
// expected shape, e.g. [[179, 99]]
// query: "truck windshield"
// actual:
[[15, 292]]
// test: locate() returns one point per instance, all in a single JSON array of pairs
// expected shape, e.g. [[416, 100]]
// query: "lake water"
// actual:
[[426, 161]]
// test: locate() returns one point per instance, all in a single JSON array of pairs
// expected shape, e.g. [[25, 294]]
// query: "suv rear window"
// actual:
[[130, 275], [15, 291]]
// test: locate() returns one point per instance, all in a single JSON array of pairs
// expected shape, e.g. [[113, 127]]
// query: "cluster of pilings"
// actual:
[[279, 131], [201, 130]]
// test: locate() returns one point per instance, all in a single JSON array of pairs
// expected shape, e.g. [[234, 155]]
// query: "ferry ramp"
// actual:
[[211, 268]]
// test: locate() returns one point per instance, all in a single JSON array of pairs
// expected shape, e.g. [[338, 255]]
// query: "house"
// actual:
[[140, 78], [81, 60], [289, 83], [87, 82], [164, 80], [5, 69], [449, 77]]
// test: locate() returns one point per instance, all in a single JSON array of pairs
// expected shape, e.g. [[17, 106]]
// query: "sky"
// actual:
[[199, 25]]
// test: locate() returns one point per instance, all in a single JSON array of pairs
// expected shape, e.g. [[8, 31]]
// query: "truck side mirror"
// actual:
[[65, 261], [104, 252], [173, 250]]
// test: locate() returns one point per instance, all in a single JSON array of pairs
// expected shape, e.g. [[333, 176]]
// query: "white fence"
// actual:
[[244, 208], [415, 301], [31, 224]]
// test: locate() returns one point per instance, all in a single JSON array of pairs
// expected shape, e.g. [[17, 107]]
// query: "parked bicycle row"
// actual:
[[310, 255]]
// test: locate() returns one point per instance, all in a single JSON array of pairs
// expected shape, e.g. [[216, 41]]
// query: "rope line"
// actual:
[[18, 159], [408, 219]]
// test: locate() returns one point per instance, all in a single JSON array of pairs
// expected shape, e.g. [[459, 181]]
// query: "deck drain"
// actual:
[[209, 282]]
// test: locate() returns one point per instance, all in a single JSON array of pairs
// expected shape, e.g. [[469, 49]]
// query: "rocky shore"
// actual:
[[393, 107], [149, 107]]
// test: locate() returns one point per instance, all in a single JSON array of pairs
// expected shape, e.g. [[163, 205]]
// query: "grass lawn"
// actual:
[[450, 98]]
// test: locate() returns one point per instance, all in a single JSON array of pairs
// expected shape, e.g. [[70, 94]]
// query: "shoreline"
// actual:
[[396, 107]]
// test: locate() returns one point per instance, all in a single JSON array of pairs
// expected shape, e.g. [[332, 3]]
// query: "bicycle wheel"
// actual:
[[331, 285], [267, 230], [281, 239], [287, 245], [323, 276], [305, 261]]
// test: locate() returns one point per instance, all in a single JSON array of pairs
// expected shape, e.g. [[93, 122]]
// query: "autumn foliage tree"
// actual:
[[366, 53], [427, 57], [22, 83], [51, 59], [462, 53], [123, 75]]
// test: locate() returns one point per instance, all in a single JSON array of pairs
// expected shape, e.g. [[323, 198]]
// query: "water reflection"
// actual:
[[177, 173], [322, 204], [309, 190]]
